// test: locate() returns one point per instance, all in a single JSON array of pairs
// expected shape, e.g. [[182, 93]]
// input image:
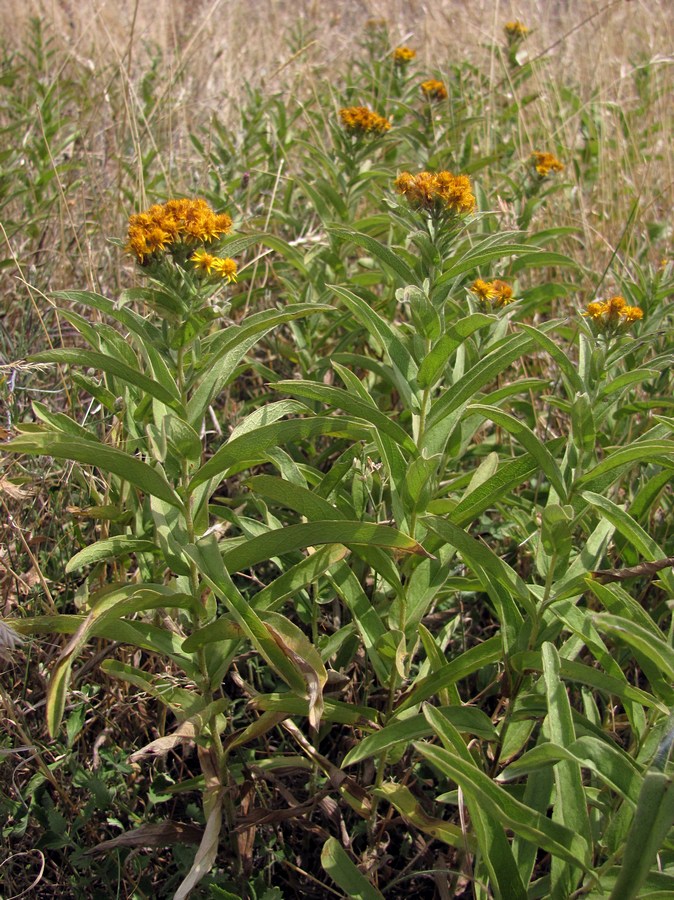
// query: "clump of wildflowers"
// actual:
[[612, 314], [515, 31], [175, 222], [361, 120], [403, 55], [492, 293], [437, 191], [434, 90], [214, 265], [545, 163]]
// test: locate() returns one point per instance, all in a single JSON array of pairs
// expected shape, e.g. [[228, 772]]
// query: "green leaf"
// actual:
[[640, 639], [334, 710], [484, 654], [482, 373], [380, 251], [570, 807], [436, 360], [250, 448], [403, 364], [579, 673], [112, 602], [229, 347], [149, 334], [137, 634], [408, 806], [111, 366], [110, 548], [609, 763], [485, 252], [535, 447], [482, 560], [338, 398], [94, 453], [313, 534], [498, 803], [272, 595], [624, 457], [559, 355], [402, 731], [495, 848], [344, 873], [267, 640], [509, 475], [653, 819]]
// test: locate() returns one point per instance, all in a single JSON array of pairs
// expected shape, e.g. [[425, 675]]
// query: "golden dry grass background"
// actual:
[[211, 50], [222, 43]]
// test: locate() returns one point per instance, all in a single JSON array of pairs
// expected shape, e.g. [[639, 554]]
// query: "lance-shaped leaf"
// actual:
[[529, 441], [482, 560], [403, 364], [251, 447], [112, 602], [110, 548], [313, 534], [138, 634], [409, 807], [272, 595], [640, 639], [229, 348], [625, 457], [343, 871], [502, 806], [390, 259], [115, 367], [484, 654], [437, 358], [277, 640], [460, 393], [402, 731], [338, 398], [95, 453], [149, 333]]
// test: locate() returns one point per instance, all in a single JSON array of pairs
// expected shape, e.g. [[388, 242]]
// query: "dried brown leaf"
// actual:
[[160, 834]]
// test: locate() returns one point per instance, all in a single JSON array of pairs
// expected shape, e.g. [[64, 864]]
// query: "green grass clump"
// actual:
[[337, 488]]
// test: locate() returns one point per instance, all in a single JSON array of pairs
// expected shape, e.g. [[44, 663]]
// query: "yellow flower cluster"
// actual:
[[496, 293], [361, 120], [434, 90], [613, 312], [403, 55], [515, 30], [544, 163], [430, 190], [214, 265], [175, 221]]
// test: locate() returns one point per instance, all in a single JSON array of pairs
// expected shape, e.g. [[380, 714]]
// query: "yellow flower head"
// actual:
[[225, 268], [437, 191], [361, 120], [403, 55], [434, 90], [214, 265], [203, 261], [544, 163], [175, 221], [516, 30], [483, 290], [612, 314], [496, 293]]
